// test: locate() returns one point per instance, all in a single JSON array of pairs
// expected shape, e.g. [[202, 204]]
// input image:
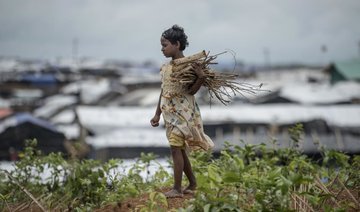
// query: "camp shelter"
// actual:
[[125, 132], [121, 132], [344, 92], [17, 128], [344, 71]]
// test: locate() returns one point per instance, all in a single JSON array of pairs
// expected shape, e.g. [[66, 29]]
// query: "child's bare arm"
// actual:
[[155, 120], [199, 80]]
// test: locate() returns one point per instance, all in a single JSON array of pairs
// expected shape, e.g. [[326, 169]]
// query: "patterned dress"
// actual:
[[181, 114]]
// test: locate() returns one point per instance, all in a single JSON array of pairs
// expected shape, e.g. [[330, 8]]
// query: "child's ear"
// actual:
[[178, 44]]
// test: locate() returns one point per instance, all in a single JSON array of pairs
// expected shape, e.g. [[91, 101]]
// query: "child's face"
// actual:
[[169, 49]]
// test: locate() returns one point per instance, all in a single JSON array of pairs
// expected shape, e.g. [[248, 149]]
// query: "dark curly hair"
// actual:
[[174, 34]]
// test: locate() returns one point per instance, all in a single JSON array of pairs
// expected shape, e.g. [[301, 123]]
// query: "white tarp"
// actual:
[[126, 126]]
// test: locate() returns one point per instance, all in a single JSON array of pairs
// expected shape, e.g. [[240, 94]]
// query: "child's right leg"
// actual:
[[178, 166]]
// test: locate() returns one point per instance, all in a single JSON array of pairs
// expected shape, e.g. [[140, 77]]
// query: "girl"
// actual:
[[184, 128]]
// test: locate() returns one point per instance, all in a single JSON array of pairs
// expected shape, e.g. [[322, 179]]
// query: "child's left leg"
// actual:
[[189, 173]]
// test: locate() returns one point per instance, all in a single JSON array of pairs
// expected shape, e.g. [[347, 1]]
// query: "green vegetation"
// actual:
[[74, 184], [249, 178]]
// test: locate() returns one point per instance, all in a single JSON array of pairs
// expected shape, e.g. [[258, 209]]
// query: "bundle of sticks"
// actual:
[[221, 85]]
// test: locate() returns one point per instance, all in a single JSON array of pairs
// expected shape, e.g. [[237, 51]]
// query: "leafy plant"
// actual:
[[248, 178], [157, 202]]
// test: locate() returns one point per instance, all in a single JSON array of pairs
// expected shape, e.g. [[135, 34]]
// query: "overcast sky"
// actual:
[[290, 30]]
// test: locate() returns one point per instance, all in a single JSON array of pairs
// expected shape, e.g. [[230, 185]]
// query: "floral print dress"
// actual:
[[181, 113]]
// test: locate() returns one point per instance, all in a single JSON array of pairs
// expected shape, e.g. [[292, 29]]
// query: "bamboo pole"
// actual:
[[349, 193], [326, 190], [24, 190], [302, 204]]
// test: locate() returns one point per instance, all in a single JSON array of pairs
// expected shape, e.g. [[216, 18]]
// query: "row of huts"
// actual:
[[108, 116]]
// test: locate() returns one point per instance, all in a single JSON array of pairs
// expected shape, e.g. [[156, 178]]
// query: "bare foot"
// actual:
[[173, 194]]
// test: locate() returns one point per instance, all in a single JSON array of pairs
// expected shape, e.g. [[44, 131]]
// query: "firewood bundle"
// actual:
[[220, 85]]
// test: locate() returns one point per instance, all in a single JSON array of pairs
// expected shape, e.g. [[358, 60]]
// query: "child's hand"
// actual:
[[155, 121], [198, 70]]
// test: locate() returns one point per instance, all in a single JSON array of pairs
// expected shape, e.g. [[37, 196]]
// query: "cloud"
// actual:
[[130, 29]]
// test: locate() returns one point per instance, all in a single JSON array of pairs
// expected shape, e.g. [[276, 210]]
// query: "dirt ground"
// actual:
[[132, 203]]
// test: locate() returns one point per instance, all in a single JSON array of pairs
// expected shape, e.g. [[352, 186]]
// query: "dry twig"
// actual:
[[223, 86]]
